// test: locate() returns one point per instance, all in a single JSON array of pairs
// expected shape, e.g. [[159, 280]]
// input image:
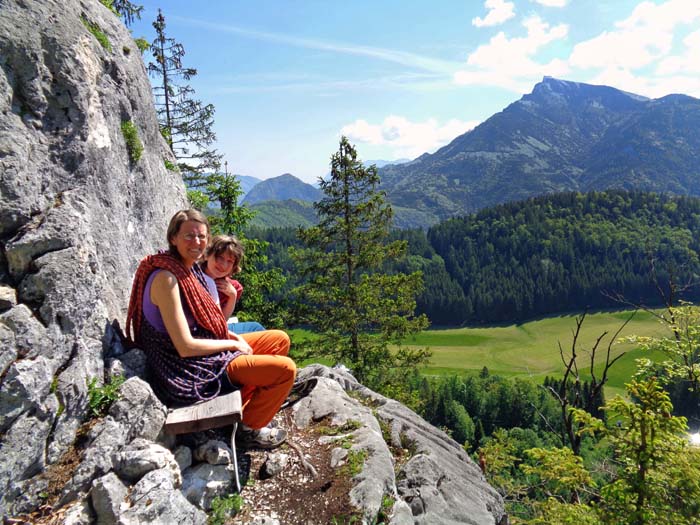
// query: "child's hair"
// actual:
[[221, 244]]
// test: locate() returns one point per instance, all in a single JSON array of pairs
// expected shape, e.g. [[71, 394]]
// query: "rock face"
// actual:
[[76, 215]]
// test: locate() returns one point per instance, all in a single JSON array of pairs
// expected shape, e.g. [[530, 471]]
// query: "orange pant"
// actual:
[[266, 375]]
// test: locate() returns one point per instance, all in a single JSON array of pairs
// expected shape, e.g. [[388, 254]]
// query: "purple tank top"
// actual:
[[152, 312]]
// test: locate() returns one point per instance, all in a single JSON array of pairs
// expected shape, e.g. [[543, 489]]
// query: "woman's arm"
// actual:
[[165, 294]]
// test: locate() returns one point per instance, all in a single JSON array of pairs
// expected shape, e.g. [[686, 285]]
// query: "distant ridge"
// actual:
[[564, 136], [282, 188]]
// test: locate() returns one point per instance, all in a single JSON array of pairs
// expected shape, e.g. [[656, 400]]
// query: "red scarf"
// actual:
[[206, 312]]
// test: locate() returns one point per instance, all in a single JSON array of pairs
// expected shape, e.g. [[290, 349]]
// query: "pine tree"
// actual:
[[358, 310], [186, 123]]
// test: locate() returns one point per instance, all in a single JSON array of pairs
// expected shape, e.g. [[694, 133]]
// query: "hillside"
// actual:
[[282, 188], [564, 136]]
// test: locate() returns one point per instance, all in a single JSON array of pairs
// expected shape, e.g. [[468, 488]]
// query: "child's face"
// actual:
[[219, 266]]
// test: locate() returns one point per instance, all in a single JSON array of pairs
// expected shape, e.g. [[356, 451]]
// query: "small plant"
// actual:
[[171, 166], [349, 426], [223, 508], [97, 33], [133, 143], [142, 44], [54, 385], [354, 463], [101, 397], [108, 5]]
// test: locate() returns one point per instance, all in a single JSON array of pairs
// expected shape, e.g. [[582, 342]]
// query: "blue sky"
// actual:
[[401, 77]]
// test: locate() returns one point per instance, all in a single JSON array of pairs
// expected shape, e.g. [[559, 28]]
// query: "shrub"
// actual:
[[97, 33], [100, 398], [133, 143], [223, 508]]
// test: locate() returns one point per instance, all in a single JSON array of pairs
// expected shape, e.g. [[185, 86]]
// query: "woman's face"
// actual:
[[191, 241], [219, 266]]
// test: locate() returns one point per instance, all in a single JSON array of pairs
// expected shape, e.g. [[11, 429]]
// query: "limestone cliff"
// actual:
[[76, 215], [78, 210]]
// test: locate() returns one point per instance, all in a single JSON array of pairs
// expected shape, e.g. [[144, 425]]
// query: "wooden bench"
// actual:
[[218, 412]]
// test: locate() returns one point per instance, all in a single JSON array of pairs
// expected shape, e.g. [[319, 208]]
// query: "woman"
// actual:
[[191, 353], [222, 260]]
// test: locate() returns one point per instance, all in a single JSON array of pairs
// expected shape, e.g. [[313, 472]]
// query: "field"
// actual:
[[532, 349]]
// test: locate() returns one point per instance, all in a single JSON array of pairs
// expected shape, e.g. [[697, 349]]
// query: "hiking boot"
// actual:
[[265, 437]]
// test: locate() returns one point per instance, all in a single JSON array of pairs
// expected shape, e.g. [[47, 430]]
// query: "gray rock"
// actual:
[[72, 393], [137, 414], [108, 497], [8, 348], [274, 464], [79, 513], [202, 483], [129, 364], [440, 484], [23, 449], [183, 456], [338, 456], [24, 387], [213, 452], [154, 500], [31, 338], [8, 297], [142, 456], [139, 410]]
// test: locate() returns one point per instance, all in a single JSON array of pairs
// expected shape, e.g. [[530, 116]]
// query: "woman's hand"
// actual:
[[242, 345]]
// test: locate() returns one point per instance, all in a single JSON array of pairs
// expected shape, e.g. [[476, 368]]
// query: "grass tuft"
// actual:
[[97, 32], [133, 143]]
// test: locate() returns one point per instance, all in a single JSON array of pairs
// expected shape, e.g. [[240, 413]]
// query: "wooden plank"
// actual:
[[218, 412]]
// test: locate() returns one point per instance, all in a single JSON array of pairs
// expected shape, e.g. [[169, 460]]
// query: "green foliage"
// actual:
[[97, 32], [559, 252], [658, 480], [224, 507], [260, 280], [100, 398], [680, 370], [125, 9], [354, 462], [358, 309], [198, 199], [186, 123], [171, 166], [143, 44], [134, 146]]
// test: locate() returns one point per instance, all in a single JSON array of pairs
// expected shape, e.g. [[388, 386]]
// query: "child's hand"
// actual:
[[224, 287]]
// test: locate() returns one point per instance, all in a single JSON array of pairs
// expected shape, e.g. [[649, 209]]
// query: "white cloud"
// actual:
[[406, 138], [641, 54], [498, 12], [638, 41], [509, 62], [552, 3]]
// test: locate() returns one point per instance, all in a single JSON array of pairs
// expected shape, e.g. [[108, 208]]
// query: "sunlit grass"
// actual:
[[532, 349]]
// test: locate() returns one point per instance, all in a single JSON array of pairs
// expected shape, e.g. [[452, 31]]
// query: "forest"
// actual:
[[557, 253]]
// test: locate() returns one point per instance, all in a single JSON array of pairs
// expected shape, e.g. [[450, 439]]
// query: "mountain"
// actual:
[[564, 136], [281, 188], [247, 183]]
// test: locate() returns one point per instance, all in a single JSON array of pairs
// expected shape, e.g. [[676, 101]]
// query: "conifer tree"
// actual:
[[358, 310], [186, 123]]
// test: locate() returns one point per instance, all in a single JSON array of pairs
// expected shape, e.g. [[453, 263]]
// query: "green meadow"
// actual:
[[531, 349]]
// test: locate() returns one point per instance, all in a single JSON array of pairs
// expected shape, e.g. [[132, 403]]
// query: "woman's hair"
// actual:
[[178, 219], [221, 244]]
